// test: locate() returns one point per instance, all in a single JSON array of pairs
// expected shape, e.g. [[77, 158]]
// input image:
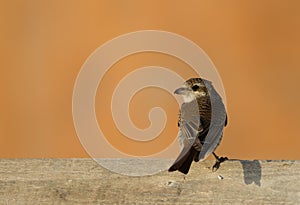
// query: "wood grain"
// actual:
[[83, 181]]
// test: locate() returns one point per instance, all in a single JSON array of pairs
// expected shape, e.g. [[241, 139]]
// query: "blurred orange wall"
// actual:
[[254, 44]]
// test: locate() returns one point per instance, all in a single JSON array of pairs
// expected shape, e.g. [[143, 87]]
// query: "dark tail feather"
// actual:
[[183, 165]]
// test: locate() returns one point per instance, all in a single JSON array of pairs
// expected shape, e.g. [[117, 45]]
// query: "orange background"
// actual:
[[254, 44]]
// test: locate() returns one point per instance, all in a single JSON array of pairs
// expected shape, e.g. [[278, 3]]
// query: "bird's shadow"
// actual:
[[252, 172]]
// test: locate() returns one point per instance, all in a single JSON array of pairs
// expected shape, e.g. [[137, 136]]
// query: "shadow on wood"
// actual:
[[252, 172]]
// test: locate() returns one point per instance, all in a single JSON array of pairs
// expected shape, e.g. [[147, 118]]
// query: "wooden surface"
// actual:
[[83, 181]]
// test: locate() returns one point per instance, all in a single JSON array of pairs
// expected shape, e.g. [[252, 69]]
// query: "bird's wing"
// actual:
[[190, 124], [217, 123], [189, 128]]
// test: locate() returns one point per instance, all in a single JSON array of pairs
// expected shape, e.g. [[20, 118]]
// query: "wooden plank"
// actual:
[[83, 181]]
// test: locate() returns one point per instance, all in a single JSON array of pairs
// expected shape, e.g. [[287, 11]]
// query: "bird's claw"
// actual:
[[218, 163]]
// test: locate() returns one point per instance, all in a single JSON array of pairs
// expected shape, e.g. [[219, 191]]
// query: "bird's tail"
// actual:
[[184, 161]]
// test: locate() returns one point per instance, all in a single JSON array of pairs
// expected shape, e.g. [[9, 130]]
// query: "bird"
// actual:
[[201, 120]]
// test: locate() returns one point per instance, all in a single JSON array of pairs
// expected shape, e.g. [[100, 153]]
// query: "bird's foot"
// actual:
[[219, 160]]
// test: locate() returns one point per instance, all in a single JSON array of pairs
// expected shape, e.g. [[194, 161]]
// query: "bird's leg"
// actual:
[[219, 160]]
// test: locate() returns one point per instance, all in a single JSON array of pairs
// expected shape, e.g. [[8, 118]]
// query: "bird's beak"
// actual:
[[182, 91]]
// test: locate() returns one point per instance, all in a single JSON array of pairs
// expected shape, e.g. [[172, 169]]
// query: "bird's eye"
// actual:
[[195, 87]]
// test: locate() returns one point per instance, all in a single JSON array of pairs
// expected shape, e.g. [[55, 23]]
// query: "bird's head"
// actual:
[[194, 88]]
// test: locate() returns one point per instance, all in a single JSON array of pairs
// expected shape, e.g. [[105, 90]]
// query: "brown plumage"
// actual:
[[202, 118]]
